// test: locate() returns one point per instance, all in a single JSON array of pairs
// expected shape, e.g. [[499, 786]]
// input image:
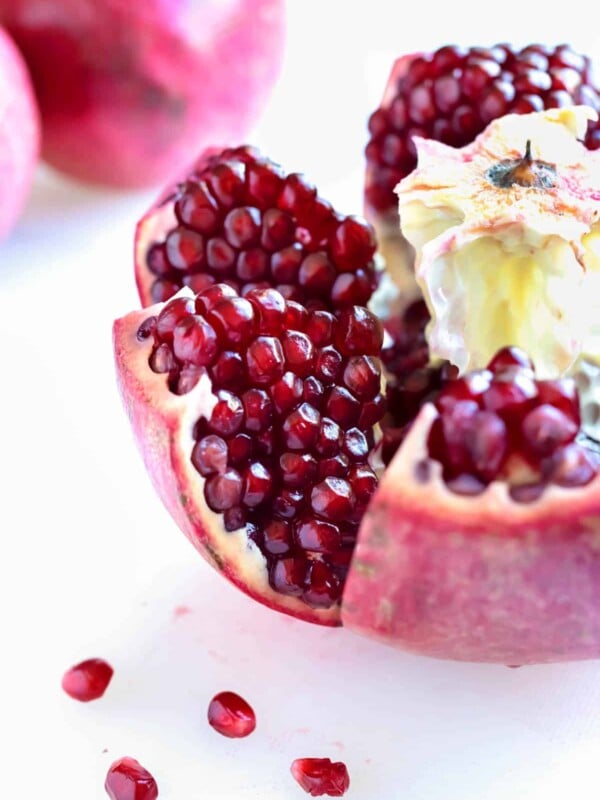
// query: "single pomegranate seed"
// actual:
[[258, 410], [270, 308], [298, 469], [157, 261], [195, 341], [334, 467], [313, 391], [328, 364], [358, 331], [227, 183], [487, 443], [87, 680], [196, 208], [321, 776], [258, 484], [231, 716], [363, 377], [184, 249], [227, 416], [509, 357], [352, 243], [545, 428], [242, 227], [342, 406], [265, 360], [572, 466], [319, 328], [228, 370], [323, 587], [128, 780], [286, 392], [172, 313], [233, 320], [333, 499], [162, 359], [212, 296], [224, 491], [318, 536], [277, 537], [299, 352], [301, 427], [287, 576], [209, 455]]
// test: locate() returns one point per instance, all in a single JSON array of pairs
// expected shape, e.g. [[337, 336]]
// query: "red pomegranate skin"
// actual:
[[476, 579], [161, 422], [128, 90], [19, 133]]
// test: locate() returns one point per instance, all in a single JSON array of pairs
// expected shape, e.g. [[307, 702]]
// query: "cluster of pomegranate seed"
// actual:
[[231, 715], [242, 221], [87, 680], [128, 780], [321, 776], [502, 423], [452, 94], [285, 450]]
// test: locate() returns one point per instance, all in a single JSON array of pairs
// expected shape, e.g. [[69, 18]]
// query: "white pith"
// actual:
[[515, 266]]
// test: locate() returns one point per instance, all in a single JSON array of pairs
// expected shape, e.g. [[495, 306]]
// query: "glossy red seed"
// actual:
[[510, 357], [486, 443], [545, 428], [277, 537], [572, 466], [319, 328], [258, 410], [228, 370], [285, 264], [353, 243], [227, 183], [301, 428], [195, 341], [510, 392], [242, 227], [128, 780], [209, 455], [296, 316], [269, 308], [317, 535], [333, 499], [298, 469], [363, 481], [172, 313], [329, 439], [336, 466], [87, 680], [351, 289], [299, 352], [239, 449], [313, 391], [184, 249], [358, 331], [258, 483], [342, 406], [328, 364], [317, 274], [208, 298], [265, 360], [157, 262], [286, 392], [220, 256], [355, 445], [223, 491], [231, 715], [227, 416], [197, 208], [162, 359], [287, 576], [233, 320], [563, 395], [278, 230], [297, 196], [322, 586], [321, 776], [252, 265], [362, 376]]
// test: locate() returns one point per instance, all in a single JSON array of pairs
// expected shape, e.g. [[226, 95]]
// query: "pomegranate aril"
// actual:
[[358, 331], [87, 680], [242, 227], [363, 481], [286, 392], [228, 370], [285, 264], [362, 376], [296, 316], [227, 416], [209, 455], [287, 502], [287, 576], [334, 467], [301, 428], [227, 183], [466, 484], [319, 328], [298, 470], [196, 208], [224, 491], [239, 449], [277, 537], [173, 312], [258, 410], [269, 306], [212, 296], [297, 196], [545, 428], [317, 274], [231, 716], [486, 441], [162, 359], [258, 484], [299, 352], [323, 587], [509, 357], [265, 360], [527, 492], [333, 499], [572, 466], [352, 244], [184, 249], [264, 182], [128, 780], [252, 265], [220, 256], [317, 536], [321, 776], [278, 229], [233, 320], [195, 341], [372, 412], [328, 364], [355, 445], [342, 406], [351, 289], [157, 261], [561, 394], [234, 519], [313, 391]]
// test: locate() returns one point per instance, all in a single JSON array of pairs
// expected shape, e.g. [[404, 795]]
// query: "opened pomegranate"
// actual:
[[452, 514], [128, 90], [19, 133], [239, 218], [451, 95]]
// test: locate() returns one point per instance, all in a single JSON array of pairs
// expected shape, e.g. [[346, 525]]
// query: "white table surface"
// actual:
[[92, 565]]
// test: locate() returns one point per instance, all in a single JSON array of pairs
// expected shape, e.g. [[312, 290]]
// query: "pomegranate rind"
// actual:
[[19, 133], [163, 425], [128, 90], [481, 578]]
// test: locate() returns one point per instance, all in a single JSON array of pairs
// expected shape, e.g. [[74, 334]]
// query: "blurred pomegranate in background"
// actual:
[[19, 133], [128, 89]]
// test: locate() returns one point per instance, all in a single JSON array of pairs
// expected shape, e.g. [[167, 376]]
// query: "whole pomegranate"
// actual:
[[337, 474], [19, 133], [127, 90]]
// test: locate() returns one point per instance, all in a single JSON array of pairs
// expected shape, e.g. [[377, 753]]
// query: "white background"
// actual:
[[91, 565]]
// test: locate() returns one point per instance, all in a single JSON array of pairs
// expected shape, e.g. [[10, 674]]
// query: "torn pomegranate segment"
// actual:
[[238, 218], [128, 780], [321, 776], [231, 716], [87, 680]]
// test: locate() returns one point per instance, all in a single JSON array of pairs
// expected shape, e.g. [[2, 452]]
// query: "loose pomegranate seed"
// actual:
[[128, 780], [452, 94], [230, 715], [283, 437], [87, 680], [321, 776]]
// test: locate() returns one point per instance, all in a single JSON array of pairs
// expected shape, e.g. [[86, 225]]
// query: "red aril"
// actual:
[[128, 780], [87, 680], [231, 716], [321, 776]]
